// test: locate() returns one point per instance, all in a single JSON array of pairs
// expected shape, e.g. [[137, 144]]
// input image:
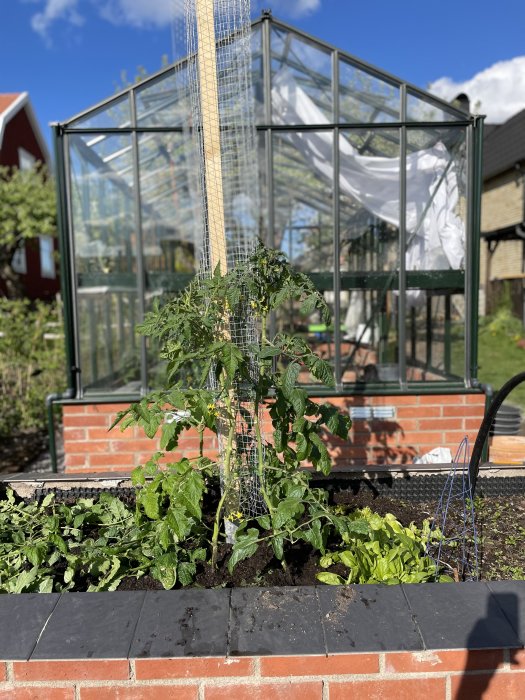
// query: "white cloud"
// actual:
[[497, 91], [136, 13], [298, 8], [140, 13], [54, 10]]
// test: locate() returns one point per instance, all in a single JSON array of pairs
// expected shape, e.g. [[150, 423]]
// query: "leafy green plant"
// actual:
[[27, 210], [92, 545], [378, 549], [31, 364], [204, 333]]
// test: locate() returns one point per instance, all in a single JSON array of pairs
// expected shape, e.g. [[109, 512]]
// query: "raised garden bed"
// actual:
[[500, 519], [444, 640]]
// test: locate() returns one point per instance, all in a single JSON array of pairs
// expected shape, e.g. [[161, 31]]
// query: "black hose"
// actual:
[[486, 424]]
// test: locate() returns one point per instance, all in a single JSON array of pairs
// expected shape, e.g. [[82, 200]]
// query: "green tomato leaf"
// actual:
[[35, 553], [165, 570], [264, 522], [244, 546], [303, 447], [289, 378], [24, 580], [179, 523], [186, 572], [287, 510], [278, 546], [150, 502]]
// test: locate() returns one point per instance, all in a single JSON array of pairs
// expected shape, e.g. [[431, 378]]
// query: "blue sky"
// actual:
[[69, 54]]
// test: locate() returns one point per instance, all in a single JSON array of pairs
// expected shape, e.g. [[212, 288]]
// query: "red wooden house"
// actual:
[[22, 144]]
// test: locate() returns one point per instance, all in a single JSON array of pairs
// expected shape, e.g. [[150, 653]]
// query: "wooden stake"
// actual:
[[209, 99]]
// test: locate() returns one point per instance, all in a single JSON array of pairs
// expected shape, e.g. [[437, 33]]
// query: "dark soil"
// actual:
[[501, 547], [18, 451], [500, 523]]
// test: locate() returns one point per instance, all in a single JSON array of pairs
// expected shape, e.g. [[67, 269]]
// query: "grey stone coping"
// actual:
[[262, 621]]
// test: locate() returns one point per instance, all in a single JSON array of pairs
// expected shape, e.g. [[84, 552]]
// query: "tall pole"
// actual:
[[211, 137]]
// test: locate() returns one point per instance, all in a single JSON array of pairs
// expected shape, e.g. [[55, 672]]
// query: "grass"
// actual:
[[499, 356]]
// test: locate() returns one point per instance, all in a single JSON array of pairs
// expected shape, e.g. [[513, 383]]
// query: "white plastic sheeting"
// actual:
[[436, 234]]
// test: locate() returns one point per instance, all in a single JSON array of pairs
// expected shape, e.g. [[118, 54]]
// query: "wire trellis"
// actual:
[[456, 546], [223, 139]]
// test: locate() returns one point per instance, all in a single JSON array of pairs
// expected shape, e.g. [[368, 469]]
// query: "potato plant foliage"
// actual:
[[169, 531]]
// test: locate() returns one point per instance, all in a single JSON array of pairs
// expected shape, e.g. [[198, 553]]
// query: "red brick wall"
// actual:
[[433, 675], [420, 424]]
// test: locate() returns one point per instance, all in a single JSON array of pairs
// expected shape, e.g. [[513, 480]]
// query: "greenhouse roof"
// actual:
[[377, 89]]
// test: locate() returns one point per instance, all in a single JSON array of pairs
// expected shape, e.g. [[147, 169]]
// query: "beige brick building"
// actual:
[[502, 262]]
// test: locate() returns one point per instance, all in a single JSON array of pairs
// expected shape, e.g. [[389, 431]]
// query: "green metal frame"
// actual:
[[451, 281]]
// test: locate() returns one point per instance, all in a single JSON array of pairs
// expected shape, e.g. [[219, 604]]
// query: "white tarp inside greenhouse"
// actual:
[[435, 232]]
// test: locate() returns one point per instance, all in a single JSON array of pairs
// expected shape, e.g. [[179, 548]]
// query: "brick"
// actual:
[[440, 424], [106, 408], [85, 421], [86, 447], [75, 409], [37, 693], [452, 439], [106, 434], [107, 459], [287, 690], [319, 665], [127, 445], [75, 434], [405, 689], [150, 669], [517, 658], [3, 672], [393, 401], [442, 399], [427, 437], [100, 470], [407, 424], [459, 411], [438, 661], [150, 692], [418, 412], [191, 444], [92, 670], [470, 424], [498, 686], [76, 460]]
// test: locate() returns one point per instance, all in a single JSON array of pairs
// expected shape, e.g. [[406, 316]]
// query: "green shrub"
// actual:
[[32, 362]]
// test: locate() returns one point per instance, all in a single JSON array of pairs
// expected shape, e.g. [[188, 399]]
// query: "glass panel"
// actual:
[[436, 208], [169, 222], [425, 110], [304, 228], [165, 101], [257, 75], [114, 115], [364, 98], [105, 261], [369, 254], [436, 235], [435, 332], [301, 81]]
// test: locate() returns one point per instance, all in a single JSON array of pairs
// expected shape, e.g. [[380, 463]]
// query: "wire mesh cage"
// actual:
[[453, 543]]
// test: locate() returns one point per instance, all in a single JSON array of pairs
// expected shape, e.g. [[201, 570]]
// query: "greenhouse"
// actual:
[[370, 186]]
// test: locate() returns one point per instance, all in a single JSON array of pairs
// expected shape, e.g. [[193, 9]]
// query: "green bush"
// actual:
[[32, 362]]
